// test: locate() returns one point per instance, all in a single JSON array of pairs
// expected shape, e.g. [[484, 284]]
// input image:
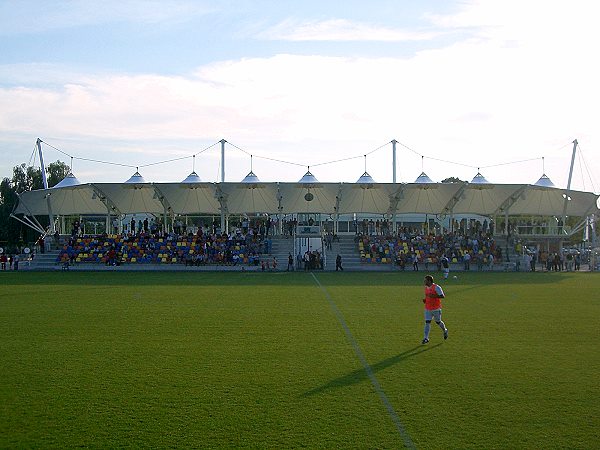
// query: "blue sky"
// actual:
[[463, 85], [171, 38]]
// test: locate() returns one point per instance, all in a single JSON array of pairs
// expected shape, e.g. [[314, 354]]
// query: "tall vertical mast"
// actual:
[[566, 194], [223, 217], [222, 141], [394, 142], [45, 181]]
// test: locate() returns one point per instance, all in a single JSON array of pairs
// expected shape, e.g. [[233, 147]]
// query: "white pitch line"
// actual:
[[408, 443]]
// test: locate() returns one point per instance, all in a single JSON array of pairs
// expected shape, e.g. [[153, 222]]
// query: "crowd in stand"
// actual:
[[243, 246], [250, 242], [410, 247]]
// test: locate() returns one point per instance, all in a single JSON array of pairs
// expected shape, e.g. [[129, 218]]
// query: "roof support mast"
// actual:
[[45, 181], [223, 221], [394, 142], [222, 141], [566, 194]]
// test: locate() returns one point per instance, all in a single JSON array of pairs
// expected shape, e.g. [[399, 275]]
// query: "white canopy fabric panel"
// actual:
[[367, 198], [426, 198], [131, 197], [247, 198], [327, 198], [308, 198], [484, 199], [551, 201], [189, 198], [64, 201]]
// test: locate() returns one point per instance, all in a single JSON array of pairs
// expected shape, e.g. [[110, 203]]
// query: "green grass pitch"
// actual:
[[287, 360]]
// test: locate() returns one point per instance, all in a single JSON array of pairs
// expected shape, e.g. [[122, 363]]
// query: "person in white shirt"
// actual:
[[467, 260]]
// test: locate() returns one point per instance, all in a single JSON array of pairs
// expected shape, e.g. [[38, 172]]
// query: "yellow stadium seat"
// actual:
[[134, 259]]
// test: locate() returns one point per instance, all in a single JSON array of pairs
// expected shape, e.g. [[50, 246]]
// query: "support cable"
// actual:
[[587, 169], [314, 165]]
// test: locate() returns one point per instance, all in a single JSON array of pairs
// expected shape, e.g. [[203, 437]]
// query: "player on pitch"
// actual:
[[433, 307]]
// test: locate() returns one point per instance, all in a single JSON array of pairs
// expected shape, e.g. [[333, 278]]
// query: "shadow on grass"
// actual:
[[288, 279], [359, 375]]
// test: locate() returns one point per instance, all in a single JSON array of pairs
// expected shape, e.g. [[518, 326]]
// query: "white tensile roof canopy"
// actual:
[[252, 196]]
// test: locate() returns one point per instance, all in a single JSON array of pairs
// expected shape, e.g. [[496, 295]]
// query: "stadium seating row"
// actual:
[[427, 248], [117, 249]]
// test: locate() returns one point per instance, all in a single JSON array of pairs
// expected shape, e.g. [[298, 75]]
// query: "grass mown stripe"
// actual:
[[408, 443], [259, 360]]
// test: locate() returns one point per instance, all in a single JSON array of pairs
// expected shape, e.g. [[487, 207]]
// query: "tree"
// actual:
[[25, 178], [9, 228], [453, 180], [56, 172]]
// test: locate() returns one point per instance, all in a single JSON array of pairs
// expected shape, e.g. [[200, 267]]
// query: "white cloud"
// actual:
[[522, 88], [339, 30]]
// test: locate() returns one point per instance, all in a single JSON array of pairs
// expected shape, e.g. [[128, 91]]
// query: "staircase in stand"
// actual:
[[43, 261], [508, 251], [281, 247], [348, 250]]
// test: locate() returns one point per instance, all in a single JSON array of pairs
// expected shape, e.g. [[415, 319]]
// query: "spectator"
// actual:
[[467, 260], [338, 263]]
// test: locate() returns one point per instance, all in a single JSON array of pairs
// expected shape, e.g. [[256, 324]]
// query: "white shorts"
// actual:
[[435, 314]]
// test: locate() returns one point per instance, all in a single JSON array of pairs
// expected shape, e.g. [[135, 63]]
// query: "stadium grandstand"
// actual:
[[194, 223]]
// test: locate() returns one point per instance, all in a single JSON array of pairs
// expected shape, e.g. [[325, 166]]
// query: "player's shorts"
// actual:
[[435, 314]]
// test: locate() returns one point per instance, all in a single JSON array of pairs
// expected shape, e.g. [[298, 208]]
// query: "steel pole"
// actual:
[[45, 181]]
